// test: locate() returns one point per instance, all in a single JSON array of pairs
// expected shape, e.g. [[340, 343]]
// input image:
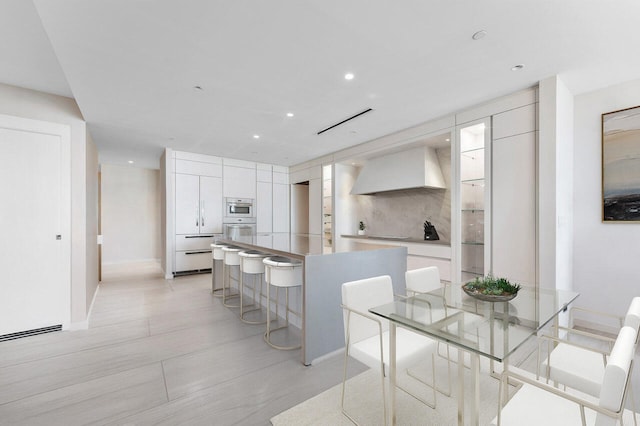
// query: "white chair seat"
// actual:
[[576, 368], [413, 345], [539, 404], [551, 409]]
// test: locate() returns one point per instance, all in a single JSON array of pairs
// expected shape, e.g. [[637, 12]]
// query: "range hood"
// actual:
[[413, 168]]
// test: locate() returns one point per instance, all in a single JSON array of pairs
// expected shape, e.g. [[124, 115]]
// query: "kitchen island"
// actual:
[[323, 274]]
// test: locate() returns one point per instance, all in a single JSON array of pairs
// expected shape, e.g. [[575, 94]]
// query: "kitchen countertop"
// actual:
[[397, 239], [298, 245]]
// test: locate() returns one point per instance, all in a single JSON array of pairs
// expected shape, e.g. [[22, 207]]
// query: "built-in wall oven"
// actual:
[[239, 219]]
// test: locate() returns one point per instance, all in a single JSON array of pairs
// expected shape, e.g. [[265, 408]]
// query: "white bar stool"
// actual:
[[281, 272], [216, 254], [251, 262], [231, 258]]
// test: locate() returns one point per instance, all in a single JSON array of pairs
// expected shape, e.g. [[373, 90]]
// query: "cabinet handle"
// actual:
[[199, 236], [197, 213], [202, 214], [197, 252]]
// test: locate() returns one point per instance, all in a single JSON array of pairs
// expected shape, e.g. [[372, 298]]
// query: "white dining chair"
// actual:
[[425, 280], [538, 403], [367, 336], [578, 365]]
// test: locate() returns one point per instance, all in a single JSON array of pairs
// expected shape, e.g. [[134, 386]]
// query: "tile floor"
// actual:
[[156, 352]]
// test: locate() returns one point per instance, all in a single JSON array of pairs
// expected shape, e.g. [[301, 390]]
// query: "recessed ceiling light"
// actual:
[[447, 139], [479, 34], [349, 76], [130, 161], [256, 136], [289, 114], [517, 67]]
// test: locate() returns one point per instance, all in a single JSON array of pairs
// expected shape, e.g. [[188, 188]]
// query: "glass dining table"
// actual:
[[494, 330]]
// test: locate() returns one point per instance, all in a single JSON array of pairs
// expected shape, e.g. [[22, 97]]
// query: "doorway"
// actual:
[[300, 208]]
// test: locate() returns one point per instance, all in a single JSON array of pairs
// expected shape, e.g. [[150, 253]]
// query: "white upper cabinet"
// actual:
[[199, 168], [280, 208], [211, 205], [239, 182], [187, 204], [264, 207], [198, 204]]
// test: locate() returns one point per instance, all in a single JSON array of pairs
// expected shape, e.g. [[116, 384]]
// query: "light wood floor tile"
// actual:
[[151, 339], [109, 397], [49, 345]]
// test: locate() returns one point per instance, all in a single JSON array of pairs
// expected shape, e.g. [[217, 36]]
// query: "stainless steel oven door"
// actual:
[[235, 231]]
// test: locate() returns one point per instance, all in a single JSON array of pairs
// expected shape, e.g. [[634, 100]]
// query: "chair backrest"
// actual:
[[632, 319], [616, 374], [361, 295], [423, 280]]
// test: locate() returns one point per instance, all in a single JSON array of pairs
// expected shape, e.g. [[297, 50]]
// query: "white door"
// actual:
[[187, 204], [35, 287], [210, 205]]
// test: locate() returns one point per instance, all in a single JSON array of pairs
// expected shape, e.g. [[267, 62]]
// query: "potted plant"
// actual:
[[492, 289], [361, 228]]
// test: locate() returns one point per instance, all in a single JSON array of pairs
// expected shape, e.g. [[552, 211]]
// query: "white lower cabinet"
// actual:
[[193, 252]]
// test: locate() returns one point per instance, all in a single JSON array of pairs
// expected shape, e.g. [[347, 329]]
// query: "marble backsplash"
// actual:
[[403, 213]]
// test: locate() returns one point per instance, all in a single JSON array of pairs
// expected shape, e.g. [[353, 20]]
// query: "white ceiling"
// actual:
[[132, 66]]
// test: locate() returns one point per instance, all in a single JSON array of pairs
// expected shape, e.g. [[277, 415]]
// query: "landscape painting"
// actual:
[[621, 165]]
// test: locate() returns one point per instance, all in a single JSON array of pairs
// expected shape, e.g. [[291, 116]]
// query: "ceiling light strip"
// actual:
[[345, 120]]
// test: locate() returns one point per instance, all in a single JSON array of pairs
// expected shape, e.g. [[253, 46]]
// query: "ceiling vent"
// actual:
[[345, 120]]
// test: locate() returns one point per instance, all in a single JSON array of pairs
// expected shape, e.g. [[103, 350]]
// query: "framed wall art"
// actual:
[[621, 165]]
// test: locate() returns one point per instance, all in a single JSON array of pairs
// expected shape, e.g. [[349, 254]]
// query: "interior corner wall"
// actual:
[[163, 210], [92, 222], [555, 185], [35, 105], [605, 267]]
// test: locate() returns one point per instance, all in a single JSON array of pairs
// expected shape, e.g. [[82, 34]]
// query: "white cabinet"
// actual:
[[315, 206], [280, 207], [514, 208], [239, 182], [264, 207], [198, 204]]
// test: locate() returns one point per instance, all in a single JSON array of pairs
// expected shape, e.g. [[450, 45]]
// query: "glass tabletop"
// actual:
[[491, 329]]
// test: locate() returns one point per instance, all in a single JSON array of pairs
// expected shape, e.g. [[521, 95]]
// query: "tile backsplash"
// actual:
[[403, 213]]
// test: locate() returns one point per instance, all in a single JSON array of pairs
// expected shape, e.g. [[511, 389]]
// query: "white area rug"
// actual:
[[364, 401]]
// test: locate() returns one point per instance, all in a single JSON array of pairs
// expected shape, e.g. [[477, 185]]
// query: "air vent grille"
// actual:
[[27, 333], [345, 120]]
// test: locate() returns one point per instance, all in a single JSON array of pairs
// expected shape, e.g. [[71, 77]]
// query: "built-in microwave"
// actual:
[[238, 207]]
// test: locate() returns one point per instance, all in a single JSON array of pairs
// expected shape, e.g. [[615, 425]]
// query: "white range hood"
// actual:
[[413, 168]]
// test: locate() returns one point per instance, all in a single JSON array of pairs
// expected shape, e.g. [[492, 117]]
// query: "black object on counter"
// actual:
[[430, 232]]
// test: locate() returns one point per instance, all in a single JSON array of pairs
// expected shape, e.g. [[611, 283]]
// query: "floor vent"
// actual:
[[27, 333]]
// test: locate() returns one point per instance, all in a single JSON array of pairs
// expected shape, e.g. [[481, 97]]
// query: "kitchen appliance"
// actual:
[[239, 227], [239, 218], [238, 208]]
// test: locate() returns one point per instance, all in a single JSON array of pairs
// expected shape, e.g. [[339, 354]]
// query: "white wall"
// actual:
[[605, 267], [92, 221], [555, 185], [131, 222], [58, 109]]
